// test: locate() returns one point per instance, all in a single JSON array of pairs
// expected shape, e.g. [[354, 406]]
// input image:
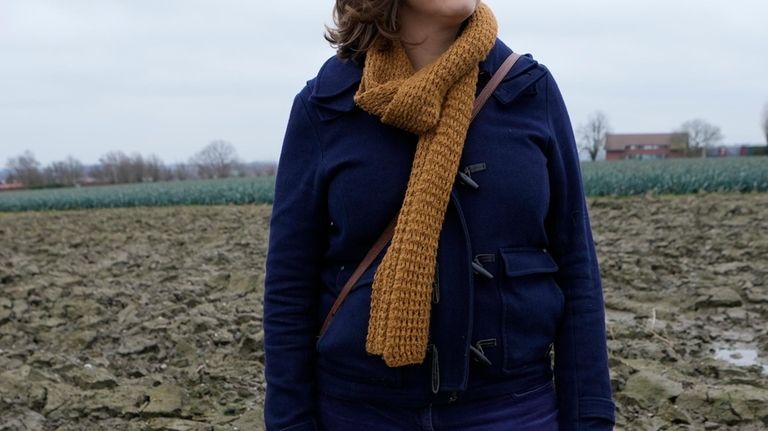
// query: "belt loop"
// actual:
[[435, 371]]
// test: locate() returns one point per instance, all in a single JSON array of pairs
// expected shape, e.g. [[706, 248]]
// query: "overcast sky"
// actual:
[[83, 77]]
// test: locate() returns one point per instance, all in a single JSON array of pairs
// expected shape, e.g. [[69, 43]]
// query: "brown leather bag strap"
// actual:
[[494, 82], [385, 236], [361, 267]]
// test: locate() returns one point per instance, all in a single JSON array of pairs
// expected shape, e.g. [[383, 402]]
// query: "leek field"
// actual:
[[164, 193], [675, 176], [615, 178]]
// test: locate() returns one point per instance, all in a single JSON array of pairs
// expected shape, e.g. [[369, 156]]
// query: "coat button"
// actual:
[[478, 351], [479, 355], [466, 179], [478, 268], [465, 173]]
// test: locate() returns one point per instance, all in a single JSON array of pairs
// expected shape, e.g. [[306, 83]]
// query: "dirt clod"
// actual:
[[150, 318]]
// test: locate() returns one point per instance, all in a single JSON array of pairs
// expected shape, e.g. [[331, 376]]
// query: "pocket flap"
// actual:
[[526, 260]]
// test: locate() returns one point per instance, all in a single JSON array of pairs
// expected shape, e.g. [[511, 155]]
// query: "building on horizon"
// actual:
[[738, 150], [621, 146], [13, 185]]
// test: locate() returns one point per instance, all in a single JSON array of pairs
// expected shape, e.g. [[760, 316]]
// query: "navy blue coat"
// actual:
[[517, 273]]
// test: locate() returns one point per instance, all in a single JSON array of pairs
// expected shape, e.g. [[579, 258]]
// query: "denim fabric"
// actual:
[[531, 410]]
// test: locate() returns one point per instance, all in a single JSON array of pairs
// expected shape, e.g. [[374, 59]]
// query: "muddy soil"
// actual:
[[150, 318]]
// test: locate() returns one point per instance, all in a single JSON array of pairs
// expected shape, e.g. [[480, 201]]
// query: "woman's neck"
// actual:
[[425, 38]]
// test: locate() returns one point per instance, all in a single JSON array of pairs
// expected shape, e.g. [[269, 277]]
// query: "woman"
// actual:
[[492, 263]]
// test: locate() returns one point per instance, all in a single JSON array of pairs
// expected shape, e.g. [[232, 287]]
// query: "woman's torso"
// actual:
[[488, 335]]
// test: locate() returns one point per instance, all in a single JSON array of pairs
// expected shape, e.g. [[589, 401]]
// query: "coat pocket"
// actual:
[[532, 305], [341, 349]]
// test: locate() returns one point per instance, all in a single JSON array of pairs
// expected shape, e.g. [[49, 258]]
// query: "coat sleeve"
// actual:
[[581, 358], [297, 235]]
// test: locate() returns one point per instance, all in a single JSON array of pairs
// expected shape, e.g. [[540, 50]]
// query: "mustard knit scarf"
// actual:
[[435, 103]]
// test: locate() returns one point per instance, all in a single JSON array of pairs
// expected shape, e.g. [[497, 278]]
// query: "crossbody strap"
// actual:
[[389, 231]]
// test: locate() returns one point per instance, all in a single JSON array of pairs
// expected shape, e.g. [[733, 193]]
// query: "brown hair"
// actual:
[[359, 23]]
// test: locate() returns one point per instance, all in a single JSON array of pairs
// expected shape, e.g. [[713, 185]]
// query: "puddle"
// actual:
[[742, 356]]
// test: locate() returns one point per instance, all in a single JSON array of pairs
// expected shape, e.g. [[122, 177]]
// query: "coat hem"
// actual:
[[338, 386]]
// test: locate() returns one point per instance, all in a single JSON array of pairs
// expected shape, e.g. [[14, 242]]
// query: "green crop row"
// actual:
[[675, 176], [192, 192], [615, 178]]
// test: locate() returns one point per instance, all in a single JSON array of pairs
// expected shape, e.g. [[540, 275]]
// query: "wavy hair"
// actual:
[[359, 23]]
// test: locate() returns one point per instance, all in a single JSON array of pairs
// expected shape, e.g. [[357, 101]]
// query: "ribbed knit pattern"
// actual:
[[435, 103]]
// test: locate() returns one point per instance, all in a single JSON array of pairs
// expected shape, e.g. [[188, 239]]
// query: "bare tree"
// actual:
[[112, 167], [592, 134], [701, 134], [26, 169], [182, 171], [262, 168], [136, 169], [217, 160], [166, 173], [68, 172], [765, 122], [116, 167], [153, 168]]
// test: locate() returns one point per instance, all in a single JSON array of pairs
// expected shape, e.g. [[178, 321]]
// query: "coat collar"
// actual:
[[336, 83]]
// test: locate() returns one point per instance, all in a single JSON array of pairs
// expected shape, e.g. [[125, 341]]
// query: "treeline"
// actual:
[[218, 159], [700, 135]]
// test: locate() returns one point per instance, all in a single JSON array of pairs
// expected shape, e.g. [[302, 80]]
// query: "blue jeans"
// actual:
[[532, 410]]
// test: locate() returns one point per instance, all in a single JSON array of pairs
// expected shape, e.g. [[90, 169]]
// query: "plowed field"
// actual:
[[150, 318]]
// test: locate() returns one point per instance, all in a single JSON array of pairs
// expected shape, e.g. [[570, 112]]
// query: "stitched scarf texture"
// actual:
[[435, 103]]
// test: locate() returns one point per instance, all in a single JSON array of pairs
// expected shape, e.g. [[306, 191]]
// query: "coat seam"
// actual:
[[314, 130], [570, 314], [323, 162], [321, 168], [549, 115]]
